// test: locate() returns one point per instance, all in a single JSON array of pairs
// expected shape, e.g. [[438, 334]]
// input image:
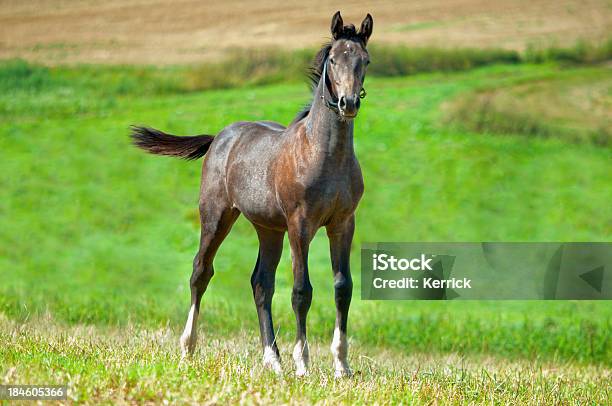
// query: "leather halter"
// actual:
[[333, 103]]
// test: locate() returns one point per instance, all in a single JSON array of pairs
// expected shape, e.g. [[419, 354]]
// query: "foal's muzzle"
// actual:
[[349, 105]]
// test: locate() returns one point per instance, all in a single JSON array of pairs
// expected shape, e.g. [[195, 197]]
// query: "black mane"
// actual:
[[316, 68]]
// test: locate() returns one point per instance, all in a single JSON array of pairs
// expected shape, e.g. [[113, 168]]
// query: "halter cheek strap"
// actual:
[[333, 103]]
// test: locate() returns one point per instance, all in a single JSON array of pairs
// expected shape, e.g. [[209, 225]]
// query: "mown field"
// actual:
[[97, 238], [188, 31]]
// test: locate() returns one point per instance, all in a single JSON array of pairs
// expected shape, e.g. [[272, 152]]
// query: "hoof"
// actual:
[[271, 361], [300, 372], [274, 366], [343, 373], [187, 347]]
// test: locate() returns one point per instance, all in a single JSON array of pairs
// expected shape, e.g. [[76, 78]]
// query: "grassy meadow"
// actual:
[[97, 238]]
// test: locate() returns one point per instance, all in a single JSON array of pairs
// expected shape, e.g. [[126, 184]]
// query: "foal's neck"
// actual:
[[331, 136]]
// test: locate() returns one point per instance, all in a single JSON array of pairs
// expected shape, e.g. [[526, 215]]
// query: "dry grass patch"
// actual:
[[574, 106], [134, 365]]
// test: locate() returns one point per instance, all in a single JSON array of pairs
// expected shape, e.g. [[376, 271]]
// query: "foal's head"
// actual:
[[346, 63]]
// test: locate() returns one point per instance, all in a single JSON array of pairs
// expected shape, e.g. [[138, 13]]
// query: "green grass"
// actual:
[[94, 232]]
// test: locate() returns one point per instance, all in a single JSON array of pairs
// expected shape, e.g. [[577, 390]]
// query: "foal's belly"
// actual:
[[249, 178], [252, 193], [264, 208]]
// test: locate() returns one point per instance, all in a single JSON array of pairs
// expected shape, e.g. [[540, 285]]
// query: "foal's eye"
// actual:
[[331, 60]]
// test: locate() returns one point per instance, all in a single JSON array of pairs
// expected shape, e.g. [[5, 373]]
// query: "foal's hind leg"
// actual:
[[340, 239], [216, 222], [262, 281]]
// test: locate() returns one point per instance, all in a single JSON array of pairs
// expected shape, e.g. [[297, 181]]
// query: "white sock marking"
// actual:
[[301, 357], [189, 336], [339, 350]]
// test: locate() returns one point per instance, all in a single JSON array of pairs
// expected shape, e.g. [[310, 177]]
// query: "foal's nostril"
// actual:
[[358, 102], [342, 102]]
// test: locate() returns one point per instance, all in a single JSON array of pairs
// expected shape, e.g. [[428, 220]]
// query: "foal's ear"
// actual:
[[337, 25], [366, 28]]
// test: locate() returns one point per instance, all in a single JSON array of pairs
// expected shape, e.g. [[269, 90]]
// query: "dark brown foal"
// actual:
[[284, 180]]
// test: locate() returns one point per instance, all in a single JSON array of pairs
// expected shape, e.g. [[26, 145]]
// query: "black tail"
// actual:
[[159, 143]]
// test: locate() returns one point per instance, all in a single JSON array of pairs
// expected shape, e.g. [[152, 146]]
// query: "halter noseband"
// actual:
[[333, 103]]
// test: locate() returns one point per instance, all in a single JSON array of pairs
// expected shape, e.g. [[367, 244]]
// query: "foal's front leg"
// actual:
[[340, 239], [300, 235], [262, 281]]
